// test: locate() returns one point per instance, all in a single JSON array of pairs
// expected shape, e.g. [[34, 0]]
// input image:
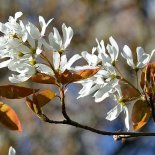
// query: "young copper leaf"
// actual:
[[65, 77], [140, 114], [43, 97], [9, 118], [43, 78], [129, 92], [68, 77], [84, 74], [15, 92], [142, 82], [148, 79], [34, 106]]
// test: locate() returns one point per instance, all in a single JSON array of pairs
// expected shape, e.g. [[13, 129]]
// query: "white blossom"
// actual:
[[35, 34], [118, 109], [25, 70], [112, 51], [142, 58], [56, 43], [12, 151], [60, 63], [103, 84]]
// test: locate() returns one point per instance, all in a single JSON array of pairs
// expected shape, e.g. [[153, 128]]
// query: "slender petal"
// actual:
[[70, 62], [127, 54], [56, 60], [67, 35], [5, 63], [12, 151], [114, 113]]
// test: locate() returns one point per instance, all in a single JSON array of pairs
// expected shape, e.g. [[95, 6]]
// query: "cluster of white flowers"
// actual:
[[22, 44], [105, 83]]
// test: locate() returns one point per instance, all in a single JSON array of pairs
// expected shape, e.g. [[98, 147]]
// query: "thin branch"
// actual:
[[69, 121], [137, 78], [101, 132], [152, 108], [62, 96]]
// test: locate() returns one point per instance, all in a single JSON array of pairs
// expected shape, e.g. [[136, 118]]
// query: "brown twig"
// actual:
[[69, 121], [101, 132], [62, 96]]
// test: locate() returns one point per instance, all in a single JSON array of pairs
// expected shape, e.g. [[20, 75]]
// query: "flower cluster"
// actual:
[[106, 82], [23, 45]]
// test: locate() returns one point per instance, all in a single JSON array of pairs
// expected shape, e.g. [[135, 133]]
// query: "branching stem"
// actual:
[[69, 121]]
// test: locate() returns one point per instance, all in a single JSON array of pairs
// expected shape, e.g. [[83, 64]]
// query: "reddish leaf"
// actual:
[[9, 118], [43, 97], [142, 82], [148, 79], [68, 77], [129, 92], [65, 77], [140, 114], [34, 106], [15, 92], [43, 78], [84, 74]]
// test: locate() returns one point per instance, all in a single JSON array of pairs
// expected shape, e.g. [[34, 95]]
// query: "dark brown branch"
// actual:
[[62, 96], [121, 134], [69, 121], [152, 107]]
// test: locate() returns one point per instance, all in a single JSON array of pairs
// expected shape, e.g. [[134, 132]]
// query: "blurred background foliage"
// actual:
[[130, 22]]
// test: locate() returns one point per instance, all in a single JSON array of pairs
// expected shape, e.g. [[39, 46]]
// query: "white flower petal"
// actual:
[[114, 43], [12, 151], [140, 53], [56, 60], [102, 93], [63, 62], [3, 28], [143, 58], [100, 46], [57, 37], [78, 68], [18, 15], [114, 113], [127, 54], [55, 45], [42, 68], [33, 30], [5, 63], [127, 119], [67, 35], [19, 78], [43, 24], [90, 58], [70, 62], [111, 52], [86, 89]]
